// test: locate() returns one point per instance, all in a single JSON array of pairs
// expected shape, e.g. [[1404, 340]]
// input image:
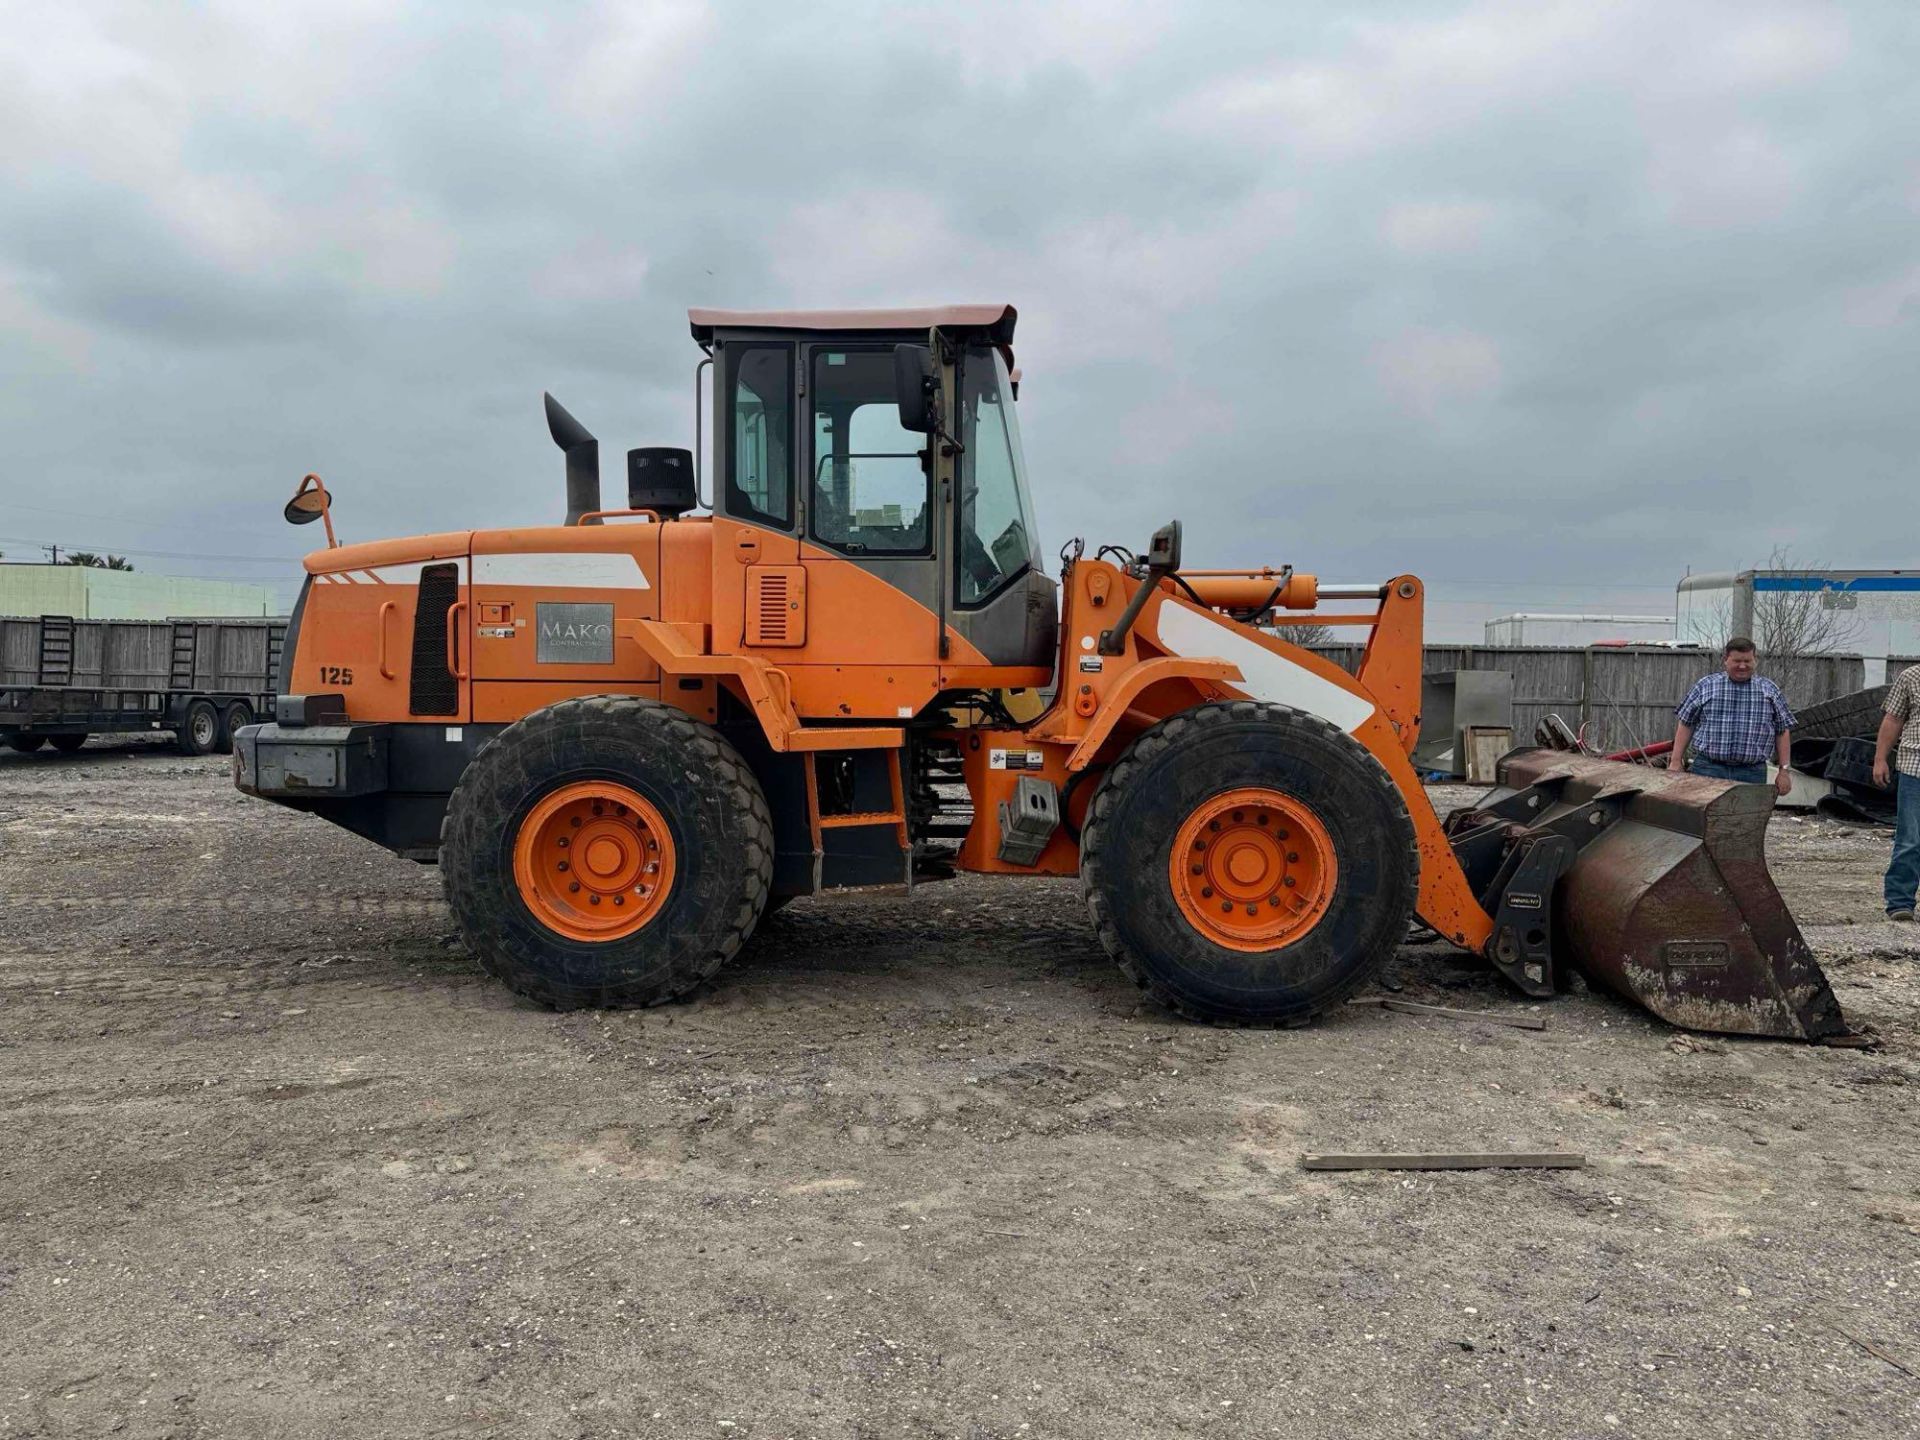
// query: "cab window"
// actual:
[[869, 494], [997, 540], [760, 439]]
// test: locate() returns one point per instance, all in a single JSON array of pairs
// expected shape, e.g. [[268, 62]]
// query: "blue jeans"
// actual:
[[1904, 871], [1754, 774]]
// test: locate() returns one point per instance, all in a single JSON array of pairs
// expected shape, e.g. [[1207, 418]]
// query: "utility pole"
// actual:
[[53, 550]]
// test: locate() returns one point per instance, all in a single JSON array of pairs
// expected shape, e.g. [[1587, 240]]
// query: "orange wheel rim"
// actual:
[[1253, 869], [594, 860]]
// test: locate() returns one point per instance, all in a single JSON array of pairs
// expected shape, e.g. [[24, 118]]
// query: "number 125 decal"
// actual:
[[336, 675]]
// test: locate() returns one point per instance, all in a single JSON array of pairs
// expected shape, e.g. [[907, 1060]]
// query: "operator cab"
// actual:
[[810, 443]]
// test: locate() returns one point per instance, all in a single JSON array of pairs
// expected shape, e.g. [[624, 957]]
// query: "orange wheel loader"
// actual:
[[626, 737]]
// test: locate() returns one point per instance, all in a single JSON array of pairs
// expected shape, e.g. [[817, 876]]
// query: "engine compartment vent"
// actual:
[[432, 689], [776, 605]]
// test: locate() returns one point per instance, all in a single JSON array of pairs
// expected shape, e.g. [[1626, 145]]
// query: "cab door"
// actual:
[[870, 510]]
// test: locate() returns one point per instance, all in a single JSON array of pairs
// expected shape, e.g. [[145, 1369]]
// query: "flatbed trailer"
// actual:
[[64, 679]]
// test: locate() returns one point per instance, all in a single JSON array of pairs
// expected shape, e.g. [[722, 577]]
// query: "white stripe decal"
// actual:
[[1268, 676], [403, 574], [599, 570]]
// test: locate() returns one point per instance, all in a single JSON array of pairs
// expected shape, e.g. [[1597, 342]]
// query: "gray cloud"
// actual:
[[1546, 301]]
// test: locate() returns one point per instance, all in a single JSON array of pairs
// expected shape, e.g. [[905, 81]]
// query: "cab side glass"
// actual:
[[759, 479]]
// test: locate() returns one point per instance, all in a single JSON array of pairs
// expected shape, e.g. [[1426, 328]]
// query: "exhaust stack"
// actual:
[[583, 461]]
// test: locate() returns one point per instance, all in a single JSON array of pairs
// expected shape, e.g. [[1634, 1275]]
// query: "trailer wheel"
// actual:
[[199, 730], [606, 851], [1248, 862], [67, 744], [231, 719], [25, 744]]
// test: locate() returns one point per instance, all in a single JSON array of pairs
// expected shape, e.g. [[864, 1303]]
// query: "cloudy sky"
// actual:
[[1545, 302]]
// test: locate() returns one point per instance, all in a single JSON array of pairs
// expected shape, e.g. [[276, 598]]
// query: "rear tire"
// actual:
[[199, 731], [25, 744], [1298, 867], [593, 792], [231, 719], [67, 744]]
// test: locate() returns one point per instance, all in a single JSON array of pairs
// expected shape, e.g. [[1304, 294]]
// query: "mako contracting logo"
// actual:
[[570, 634]]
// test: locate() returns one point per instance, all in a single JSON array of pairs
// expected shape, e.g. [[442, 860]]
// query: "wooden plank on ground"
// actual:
[[1413, 1007], [1491, 1160]]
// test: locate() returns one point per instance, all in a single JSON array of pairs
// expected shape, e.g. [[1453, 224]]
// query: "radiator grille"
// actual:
[[433, 690]]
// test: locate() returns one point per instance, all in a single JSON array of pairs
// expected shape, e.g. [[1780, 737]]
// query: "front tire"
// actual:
[[1248, 862], [25, 744], [67, 744], [607, 851]]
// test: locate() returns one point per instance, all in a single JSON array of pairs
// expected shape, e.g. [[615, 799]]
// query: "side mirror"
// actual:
[[310, 503], [1163, 551], [913, 388]]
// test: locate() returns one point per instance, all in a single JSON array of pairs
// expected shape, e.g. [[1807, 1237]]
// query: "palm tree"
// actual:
[[98, 562]]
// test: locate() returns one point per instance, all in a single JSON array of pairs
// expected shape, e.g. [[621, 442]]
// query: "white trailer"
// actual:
[[1872, 613], [1560, 630]]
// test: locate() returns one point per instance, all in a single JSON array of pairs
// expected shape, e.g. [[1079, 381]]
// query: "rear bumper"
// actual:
[[311, 762]]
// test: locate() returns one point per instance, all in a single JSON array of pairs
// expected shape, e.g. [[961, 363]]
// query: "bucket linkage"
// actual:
[[1653, 885]]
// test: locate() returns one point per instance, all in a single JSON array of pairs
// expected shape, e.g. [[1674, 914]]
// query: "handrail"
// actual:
[[386, 608], [453, 641], [653, 515]]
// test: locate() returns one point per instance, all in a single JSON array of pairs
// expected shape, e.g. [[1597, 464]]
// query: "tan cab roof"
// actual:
[[995, 320]]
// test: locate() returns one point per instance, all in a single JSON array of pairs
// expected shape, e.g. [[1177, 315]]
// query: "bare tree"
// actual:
[[1816, 620], [1307, 637]]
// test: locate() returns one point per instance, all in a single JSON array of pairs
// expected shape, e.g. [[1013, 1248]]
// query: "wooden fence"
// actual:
[[1623, 695]]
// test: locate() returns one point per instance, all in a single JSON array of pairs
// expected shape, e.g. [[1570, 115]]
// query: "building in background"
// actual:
[[1531, 629], [1871, 613], [87, 592]]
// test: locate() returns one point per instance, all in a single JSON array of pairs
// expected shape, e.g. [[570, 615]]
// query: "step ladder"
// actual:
[[819, 824], [276, 644], [186, 651], [55, 661]]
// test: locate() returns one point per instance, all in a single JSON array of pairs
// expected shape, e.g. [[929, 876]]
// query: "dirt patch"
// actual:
[[280, 1160]]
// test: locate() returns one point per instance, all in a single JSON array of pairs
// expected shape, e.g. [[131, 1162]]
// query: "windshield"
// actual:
[[997, 540]]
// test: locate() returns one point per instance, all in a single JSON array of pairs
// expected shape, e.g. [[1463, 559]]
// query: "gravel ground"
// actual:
[[279, 1160]]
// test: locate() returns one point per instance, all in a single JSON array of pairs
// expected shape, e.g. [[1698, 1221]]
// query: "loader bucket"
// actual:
[[1670, 904]]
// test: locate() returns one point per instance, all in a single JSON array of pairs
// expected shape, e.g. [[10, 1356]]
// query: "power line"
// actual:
[[103, 547]]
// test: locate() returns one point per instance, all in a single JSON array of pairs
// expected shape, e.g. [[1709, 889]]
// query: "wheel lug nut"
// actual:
[[1288, 882], [1199, 844], [1206, 892], [1226, 907], [1199, 869], [1280, 834], [1273, 900], [1261, 819], [564, 842], [1239, 815], [1293, 856], [561, 866], [575, 822], [593, 899], [1253, 909], [1213, 824], [596, 807], [573, 887], [619, 899]]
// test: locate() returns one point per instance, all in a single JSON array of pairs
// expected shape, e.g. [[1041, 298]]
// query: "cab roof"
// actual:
[[993, 322]]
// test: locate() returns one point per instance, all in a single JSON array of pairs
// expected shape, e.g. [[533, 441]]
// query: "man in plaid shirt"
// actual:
[[1900, 727], [1735, 720]]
